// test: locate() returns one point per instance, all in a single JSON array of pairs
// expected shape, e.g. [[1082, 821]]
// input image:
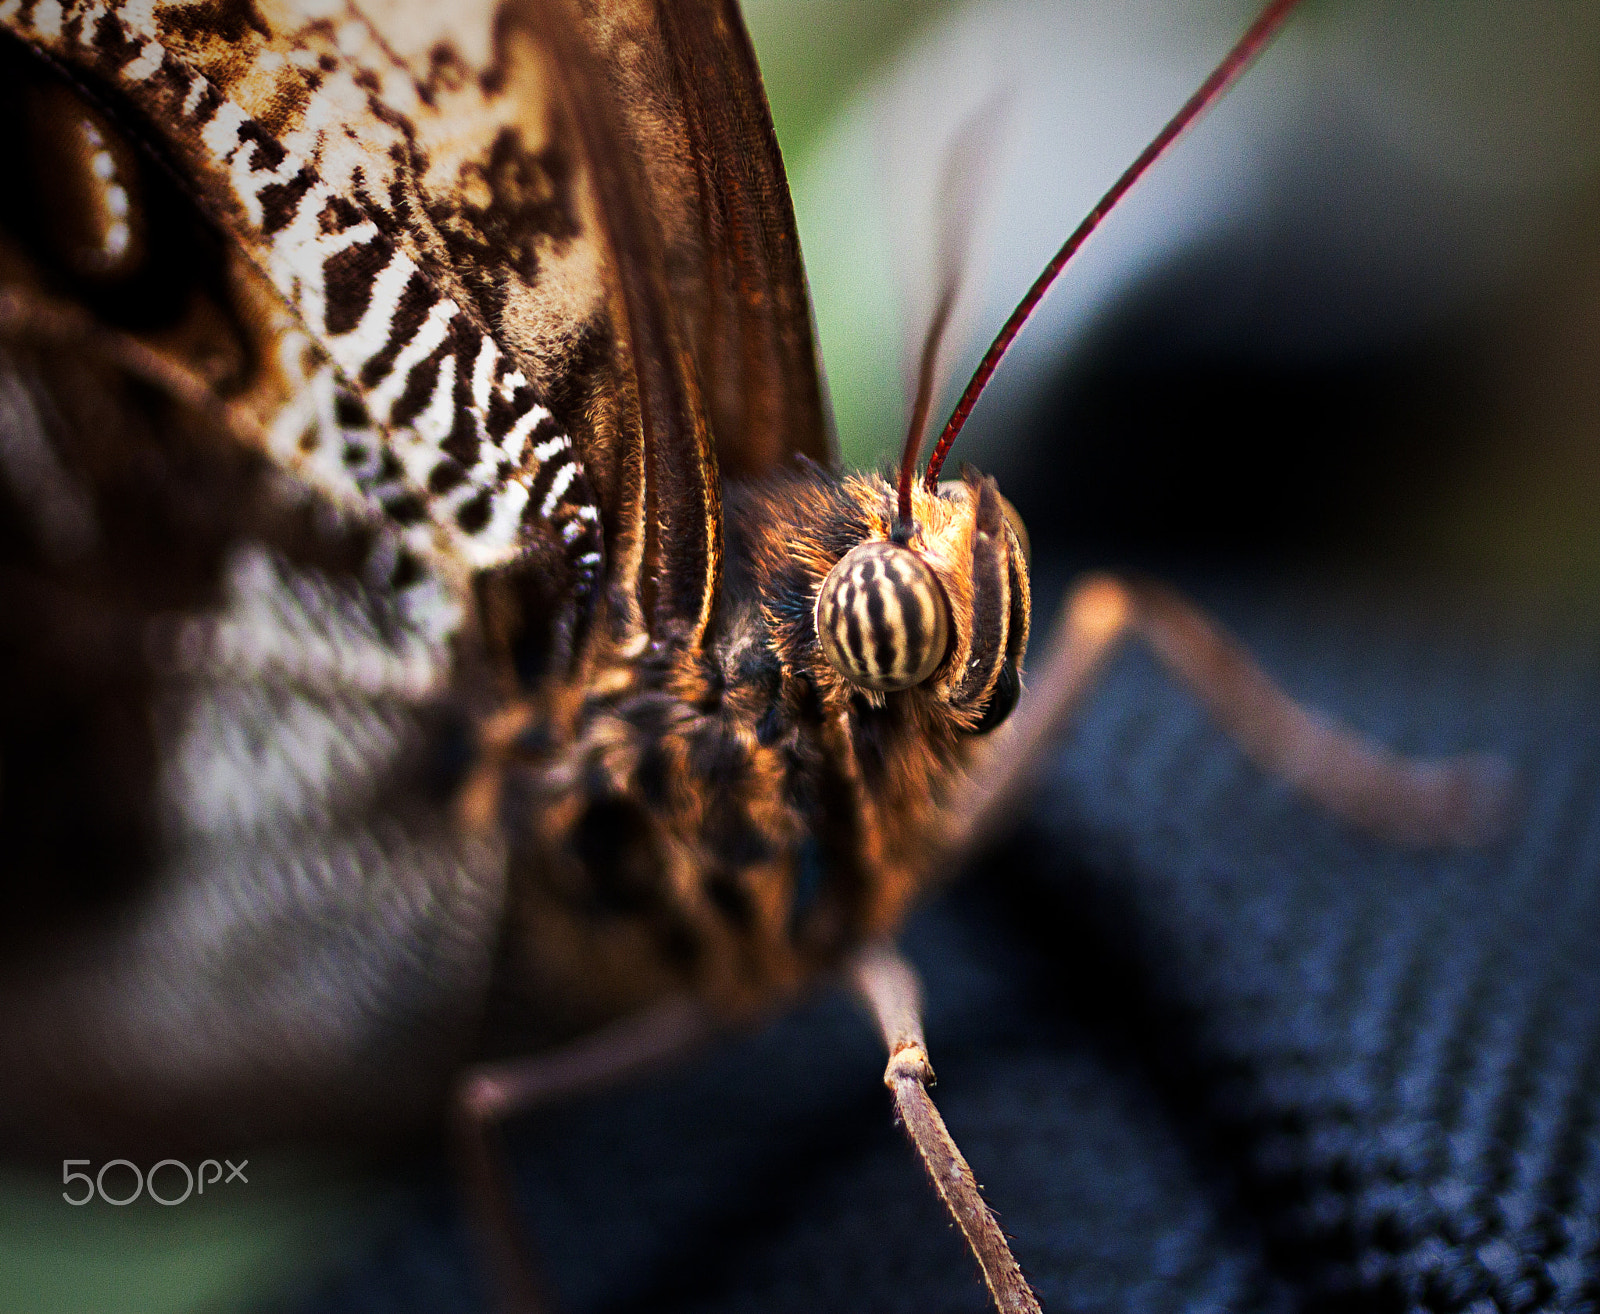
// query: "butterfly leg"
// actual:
[[889, 987], [489, 1094], [1454, 800]]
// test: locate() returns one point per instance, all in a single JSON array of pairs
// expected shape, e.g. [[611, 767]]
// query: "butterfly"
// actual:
[[438, 631]]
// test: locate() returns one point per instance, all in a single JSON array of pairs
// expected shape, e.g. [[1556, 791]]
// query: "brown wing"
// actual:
[[229, 718], [678, 505], [755, 343], [689, 96], [715, 320]]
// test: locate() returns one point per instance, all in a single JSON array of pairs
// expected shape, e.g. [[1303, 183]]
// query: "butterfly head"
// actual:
[[932, 610]]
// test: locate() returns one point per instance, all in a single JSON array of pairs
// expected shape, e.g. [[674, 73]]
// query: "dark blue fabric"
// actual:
[[1206, 1048]]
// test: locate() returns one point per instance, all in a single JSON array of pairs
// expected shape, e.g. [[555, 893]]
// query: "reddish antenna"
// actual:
[[1224, 76]]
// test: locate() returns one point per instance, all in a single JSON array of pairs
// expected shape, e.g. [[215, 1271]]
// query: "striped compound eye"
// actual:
[[882, 617]]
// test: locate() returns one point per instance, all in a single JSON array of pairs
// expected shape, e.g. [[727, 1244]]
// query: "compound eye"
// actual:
[[882, 617]]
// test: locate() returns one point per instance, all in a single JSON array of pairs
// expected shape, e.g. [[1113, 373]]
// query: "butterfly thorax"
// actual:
[[729, 819]]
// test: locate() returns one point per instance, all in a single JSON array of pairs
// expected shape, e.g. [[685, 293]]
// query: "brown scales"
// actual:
[[661, 805]]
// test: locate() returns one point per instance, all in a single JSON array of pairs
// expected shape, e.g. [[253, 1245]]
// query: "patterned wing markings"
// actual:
[[469, 452]]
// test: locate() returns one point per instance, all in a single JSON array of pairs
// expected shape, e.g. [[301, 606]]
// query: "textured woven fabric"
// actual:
[[1206, 1048]]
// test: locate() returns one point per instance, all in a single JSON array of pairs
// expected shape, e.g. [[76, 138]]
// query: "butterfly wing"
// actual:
[[238, 668], [408, 199], [432, 243], [234, 900], [741, 265], [715, 316]]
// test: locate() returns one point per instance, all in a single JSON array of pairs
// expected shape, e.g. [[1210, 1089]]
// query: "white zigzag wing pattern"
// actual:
[[469, 459]]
